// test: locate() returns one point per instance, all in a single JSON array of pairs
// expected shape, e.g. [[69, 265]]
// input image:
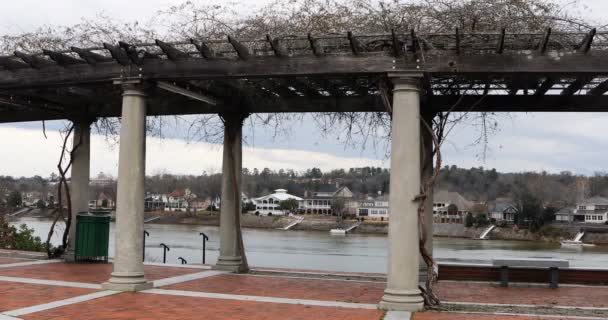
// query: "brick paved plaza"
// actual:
[[56, 290]]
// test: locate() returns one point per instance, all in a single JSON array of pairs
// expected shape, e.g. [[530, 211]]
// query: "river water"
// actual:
[[322, 251]]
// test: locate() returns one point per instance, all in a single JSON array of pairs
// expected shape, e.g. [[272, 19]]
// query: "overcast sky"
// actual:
[[541, 141]]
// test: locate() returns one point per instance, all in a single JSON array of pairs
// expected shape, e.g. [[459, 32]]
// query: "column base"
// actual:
[[69, 256], [231, 264], [127, 282], [402, 300]]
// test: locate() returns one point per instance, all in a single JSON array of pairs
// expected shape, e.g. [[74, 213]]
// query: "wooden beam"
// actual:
[[91, 57], [172, 53], [355, 44], [303, 87], [62, 59], [457, 41], [200, 69], [118, 53], [315, 46], [501, 41], [136, 56], [187, 93], [547, 84], [522, 103], [34, 61], [397, 47], [12, 63], [204, 49], [277, 88], [542, 46], [240, 49], [585, 46], [277, 47], [576, 86], [599, 90], [415, 45]]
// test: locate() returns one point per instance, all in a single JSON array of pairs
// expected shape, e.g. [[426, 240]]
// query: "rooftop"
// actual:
[[595, 201], [444, 196]]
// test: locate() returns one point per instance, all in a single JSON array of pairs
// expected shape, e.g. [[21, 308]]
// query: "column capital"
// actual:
[[406, 83], [132, 86]]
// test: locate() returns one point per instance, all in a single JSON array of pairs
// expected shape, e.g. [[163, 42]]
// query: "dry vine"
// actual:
[[63, 186], [430, 299]]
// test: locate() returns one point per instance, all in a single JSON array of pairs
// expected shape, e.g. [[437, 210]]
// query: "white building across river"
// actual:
[[269, 205]]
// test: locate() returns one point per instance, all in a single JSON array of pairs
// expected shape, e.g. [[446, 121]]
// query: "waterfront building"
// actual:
[[374, 208], [450, 207], [320, 201], [269, 205], [102, 201], [178, 200], [593, 210], [155, 201], [502, 210]]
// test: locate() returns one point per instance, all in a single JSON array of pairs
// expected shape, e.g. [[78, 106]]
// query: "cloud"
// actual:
[[25, 152]]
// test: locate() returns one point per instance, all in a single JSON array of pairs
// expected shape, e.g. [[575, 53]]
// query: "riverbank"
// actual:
[[552, 233], [310, 222]]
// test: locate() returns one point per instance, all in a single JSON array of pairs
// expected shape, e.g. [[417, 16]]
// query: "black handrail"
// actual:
[[205, 239], [183, 260], [146, 234], [165, 249]]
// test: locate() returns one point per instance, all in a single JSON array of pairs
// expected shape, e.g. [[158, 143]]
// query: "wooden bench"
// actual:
[[552, 264]]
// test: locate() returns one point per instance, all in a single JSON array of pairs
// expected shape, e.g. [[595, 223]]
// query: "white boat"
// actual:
[[576, 242], [342, 231], [337, 231], [573, 243]]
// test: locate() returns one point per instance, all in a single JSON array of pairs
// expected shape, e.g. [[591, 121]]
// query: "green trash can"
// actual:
[[92, 237]]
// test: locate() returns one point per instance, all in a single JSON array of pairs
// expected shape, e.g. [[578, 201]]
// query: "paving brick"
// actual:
[[19, 295], [460, 316], [534, 295], [144, 306], [281, 287], [89, 273]]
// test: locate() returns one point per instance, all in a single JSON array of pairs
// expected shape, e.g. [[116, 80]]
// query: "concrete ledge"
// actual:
[[23, 254]]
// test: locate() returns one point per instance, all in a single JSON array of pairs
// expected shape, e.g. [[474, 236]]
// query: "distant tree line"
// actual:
[[475, 184]]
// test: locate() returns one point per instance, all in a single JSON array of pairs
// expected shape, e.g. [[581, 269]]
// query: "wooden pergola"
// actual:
[[408, 74], [512, 72]]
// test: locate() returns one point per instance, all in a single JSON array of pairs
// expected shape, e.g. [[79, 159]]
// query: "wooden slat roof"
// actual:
[[499, 71]]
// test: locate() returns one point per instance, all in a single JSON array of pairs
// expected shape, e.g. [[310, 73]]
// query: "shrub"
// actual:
[[551, 231], [19, 239], [480, 220], [469, 220]]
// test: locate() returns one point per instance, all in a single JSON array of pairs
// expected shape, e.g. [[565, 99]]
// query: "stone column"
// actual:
[[231, 258], [79, 186], [402, 292], [128, 274]]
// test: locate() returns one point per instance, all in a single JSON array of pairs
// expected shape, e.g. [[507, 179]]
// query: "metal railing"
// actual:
[[165, 249], [205, 239], [146, 234]]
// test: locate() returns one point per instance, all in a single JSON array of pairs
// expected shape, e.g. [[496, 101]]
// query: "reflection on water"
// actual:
[[321, 251]]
